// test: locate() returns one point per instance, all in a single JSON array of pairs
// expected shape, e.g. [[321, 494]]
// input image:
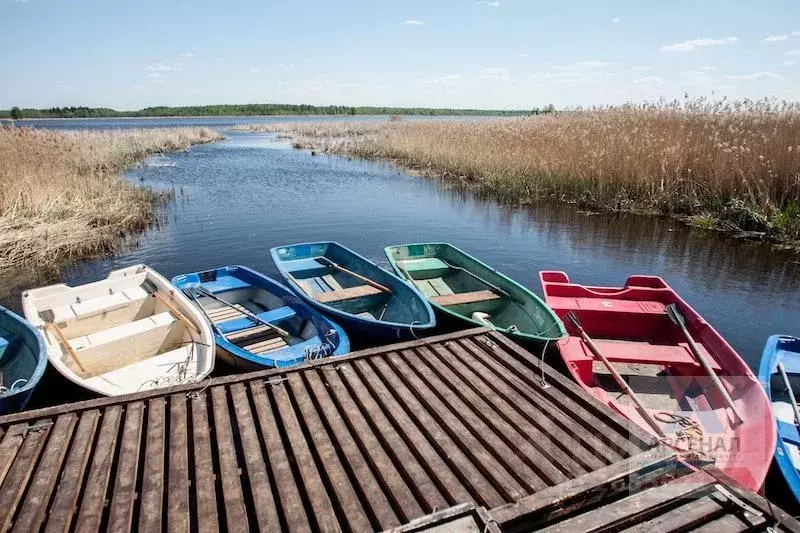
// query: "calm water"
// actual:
[[236, 199]]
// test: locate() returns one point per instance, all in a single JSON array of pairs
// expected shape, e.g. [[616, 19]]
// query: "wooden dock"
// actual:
[[374, 440]]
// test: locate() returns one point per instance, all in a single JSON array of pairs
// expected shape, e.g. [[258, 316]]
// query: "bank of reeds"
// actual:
[[731, 166], [62, 195]]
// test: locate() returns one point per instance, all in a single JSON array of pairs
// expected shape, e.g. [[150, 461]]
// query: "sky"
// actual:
[[490, 54]]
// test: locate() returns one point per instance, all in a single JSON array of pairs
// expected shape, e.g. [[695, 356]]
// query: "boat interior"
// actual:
[[325, 283], [18, 356], [236, 298], [789, 355], [118, 333], [447, 284]]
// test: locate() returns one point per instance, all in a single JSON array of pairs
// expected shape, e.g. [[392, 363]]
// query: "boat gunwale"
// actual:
[[344, 341], [521, 335], [41, 363], [431, 323]]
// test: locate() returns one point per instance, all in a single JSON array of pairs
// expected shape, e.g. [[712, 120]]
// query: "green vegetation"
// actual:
[[250, 109]]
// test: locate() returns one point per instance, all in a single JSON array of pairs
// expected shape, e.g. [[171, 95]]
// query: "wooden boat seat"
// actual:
[[788, 432], [97, 306], [422, 264], [3, 346], [606, 305], [465, 298], [575, 350], [122, 345], [350, 293], [243, 322], [225, 284], [147, 371]]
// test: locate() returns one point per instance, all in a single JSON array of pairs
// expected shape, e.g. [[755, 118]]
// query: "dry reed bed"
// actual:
[[730, 166], [62, 195]]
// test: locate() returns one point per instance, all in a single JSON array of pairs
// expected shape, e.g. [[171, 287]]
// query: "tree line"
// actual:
[[250, 109]]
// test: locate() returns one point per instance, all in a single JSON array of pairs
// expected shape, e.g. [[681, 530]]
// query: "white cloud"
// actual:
[[776, 38], [641, 69], [708, 68], [496, 73], [583, 64], [793, 53], [491, 3], [790, 62], [522, 54], [615, 20], [164, 67], [755, 76], [413, 22], [796, 33], [139, 87], [187, 54], [154, 75], [688, 46], [650, 80], [253, 69]]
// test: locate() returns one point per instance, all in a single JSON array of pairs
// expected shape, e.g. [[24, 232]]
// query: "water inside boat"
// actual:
[[781, 400], [234, 299], [19, 356]]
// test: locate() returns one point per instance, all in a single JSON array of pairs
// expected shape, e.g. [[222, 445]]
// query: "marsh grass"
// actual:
[[736, 162], [62, 195]]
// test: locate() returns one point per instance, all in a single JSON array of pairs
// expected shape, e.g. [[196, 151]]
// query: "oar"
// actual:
[[782, 370], [49, 319], [571, 317], [193, 297], [491, 286], [151, 288], [676, 316], [357, 276], [245, 312]]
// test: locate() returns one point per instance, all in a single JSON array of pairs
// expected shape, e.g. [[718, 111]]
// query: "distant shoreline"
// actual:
[[173, 117]]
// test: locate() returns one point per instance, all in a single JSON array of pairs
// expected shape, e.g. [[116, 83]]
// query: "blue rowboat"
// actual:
[[786, 350], [23, 358], [257, 322], [359, 294]]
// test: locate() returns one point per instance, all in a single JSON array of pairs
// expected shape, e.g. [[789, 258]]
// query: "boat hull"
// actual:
[[23, 359], [239, 284], [440, 269], [783, 349], [630, 327], [127, 333], [399, 314]]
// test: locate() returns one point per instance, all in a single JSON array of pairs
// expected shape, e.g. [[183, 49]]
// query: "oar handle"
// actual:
[[65, 343]]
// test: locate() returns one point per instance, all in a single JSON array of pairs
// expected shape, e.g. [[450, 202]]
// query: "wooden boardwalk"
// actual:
[[368, 441]]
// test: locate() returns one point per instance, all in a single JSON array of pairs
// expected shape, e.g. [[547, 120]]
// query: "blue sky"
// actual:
[[455, 53]]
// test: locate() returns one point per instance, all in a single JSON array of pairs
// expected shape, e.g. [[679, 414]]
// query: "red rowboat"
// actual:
[[631, 328]]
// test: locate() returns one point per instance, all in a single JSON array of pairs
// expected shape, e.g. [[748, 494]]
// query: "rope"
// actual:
[[5, 390], [544, 351], [411, 328]]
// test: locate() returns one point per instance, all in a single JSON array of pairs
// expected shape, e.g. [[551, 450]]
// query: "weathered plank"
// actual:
[[121, 509], [21, 469], [151, 506], [260, 488], [205, 512], [63, 507], [323, 514], [178, 466], [235, 511], [377, 452], [292, 505], [346, 497], [33, 509], [90, 514], [371, 489], [11, 442]]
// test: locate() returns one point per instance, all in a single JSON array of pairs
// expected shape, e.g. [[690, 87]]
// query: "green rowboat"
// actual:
[[459, 285]]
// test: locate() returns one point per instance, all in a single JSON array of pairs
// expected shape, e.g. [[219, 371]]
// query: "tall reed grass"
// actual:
[[735, 164], [62, 195]]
